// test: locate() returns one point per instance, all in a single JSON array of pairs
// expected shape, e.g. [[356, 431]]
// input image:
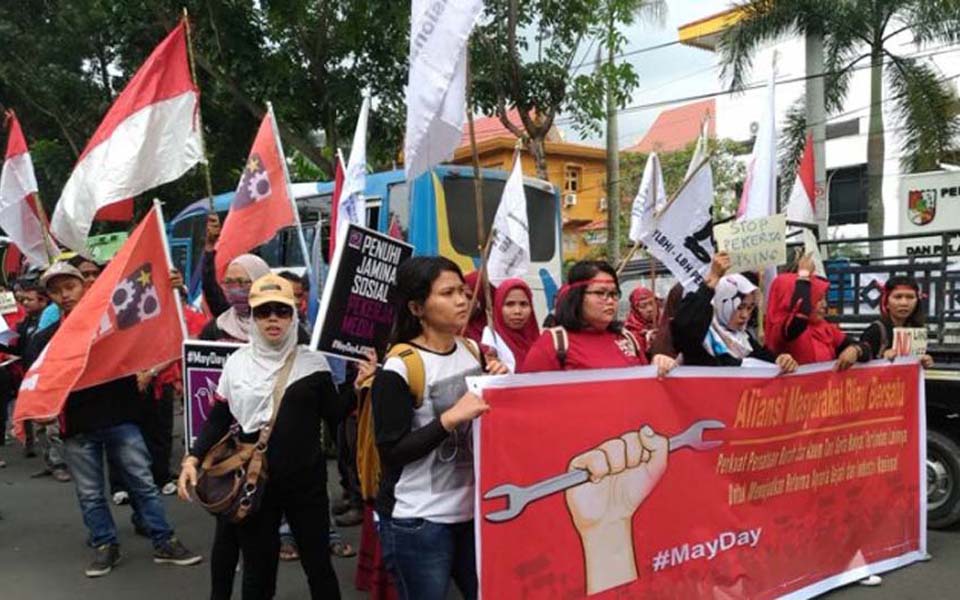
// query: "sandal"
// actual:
[[341, 549], [288, 550]]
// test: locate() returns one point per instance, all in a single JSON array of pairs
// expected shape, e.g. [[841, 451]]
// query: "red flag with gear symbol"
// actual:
[[261, 206], [125, 323]]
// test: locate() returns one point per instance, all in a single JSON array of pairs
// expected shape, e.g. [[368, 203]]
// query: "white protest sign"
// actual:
[[8, 303], [910, 341], [754, 243]]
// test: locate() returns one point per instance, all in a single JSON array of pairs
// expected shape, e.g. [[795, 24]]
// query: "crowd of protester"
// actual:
[[400, 423]]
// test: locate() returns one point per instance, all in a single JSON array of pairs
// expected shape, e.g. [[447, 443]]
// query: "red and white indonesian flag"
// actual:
[[150, 136], [759, 197], [19, 215], [802, 204], [436, 88], [510, 247]]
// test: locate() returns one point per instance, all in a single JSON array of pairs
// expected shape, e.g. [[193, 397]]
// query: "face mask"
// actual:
[[239, 299]]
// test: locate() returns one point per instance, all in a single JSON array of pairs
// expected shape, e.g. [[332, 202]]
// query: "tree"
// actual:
[[522, 57], [64, 62], [854, 31]]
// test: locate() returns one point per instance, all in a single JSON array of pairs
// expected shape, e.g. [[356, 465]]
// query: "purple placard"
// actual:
[[202, 364]]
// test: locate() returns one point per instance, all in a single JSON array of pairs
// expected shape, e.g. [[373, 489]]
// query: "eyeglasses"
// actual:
[[237, 282], [264, 311], [605, 294]]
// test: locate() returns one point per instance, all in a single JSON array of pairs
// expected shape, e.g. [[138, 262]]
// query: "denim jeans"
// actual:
[[125, 447], [50, 445], [423, 556]]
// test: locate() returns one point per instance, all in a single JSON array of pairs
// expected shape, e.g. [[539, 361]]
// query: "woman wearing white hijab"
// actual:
[[710, 327], [297, 474]]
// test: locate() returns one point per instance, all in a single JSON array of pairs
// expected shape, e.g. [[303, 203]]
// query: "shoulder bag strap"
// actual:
[[278, 392]]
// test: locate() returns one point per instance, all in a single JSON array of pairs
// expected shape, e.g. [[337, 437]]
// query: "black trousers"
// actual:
[[304, 501], [223, 559], [347, 460]]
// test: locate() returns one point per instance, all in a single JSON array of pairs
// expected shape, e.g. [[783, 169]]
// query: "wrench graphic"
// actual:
[[518, 497]]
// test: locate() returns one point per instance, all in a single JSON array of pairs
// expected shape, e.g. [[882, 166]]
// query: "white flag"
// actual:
[[681, 236], [651, 196], [436, 88], [350, 205], [510, 247], [759, 197], [700, 150], [18, 190]]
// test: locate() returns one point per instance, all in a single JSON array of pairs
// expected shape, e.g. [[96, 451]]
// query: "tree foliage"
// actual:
[[65, 61]]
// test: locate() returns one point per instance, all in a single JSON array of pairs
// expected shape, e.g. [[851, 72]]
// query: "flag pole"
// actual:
[[293, 201], [483, 239], [45, 229], [166, 252], [626, 259], [196, 83]]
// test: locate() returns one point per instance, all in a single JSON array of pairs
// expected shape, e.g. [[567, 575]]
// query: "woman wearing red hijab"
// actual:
[[796, 323], [644, 316], [478, 318], [586, 313], [514, 324]]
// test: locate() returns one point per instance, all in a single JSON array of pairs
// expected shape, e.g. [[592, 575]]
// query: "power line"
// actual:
[[754, 86]]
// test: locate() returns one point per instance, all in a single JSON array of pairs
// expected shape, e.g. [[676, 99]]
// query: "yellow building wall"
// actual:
[[592, 189]]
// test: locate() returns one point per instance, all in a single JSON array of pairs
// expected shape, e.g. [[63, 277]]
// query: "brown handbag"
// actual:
[[233, 474]]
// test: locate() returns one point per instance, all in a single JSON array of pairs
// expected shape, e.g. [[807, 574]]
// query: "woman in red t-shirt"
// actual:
[[587, 313]]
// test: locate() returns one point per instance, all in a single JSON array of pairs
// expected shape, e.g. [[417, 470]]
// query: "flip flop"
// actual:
[[342, 549], [288, 551]]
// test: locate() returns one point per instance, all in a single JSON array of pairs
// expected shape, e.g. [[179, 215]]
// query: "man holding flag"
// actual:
[[82, 373]]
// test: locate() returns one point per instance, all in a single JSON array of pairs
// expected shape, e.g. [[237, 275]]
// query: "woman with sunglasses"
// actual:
[[297, 482], [710, 327], [588, 335]]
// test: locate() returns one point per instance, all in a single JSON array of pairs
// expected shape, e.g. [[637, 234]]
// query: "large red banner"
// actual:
[[710, 483]]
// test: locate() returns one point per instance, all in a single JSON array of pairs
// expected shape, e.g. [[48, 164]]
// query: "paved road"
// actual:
[[42, 555]]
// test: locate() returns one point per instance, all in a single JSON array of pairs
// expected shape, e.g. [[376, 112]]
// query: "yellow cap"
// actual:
[[272, 288]]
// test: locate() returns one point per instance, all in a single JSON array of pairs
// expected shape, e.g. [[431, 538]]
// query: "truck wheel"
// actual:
[[943, 480]]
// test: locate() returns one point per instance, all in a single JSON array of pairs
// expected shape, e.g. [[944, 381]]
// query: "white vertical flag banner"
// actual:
[[350, 203], [436, 88], [651, 196], [801, 206], [510, 247], [700, 150], [18, 190], [150, 136], [681, 236], [759, 197]]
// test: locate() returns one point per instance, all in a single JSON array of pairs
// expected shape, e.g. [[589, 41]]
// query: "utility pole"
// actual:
[[816, 122], [613, 161]]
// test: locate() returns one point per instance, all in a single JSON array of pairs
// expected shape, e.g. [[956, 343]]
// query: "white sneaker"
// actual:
[[120, 498], [169, 489], [871, 581]]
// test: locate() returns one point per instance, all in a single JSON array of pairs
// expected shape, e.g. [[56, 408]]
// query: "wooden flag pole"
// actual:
[[626, 259], [483, 238], [196, 83]]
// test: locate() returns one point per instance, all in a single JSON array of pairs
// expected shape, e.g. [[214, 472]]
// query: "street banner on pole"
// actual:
[[710, 483]]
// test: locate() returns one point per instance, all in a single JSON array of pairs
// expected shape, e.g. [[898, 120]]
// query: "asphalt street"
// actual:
[[42, 552]]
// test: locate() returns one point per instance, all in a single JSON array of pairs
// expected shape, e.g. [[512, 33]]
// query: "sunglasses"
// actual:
[[264, 311]]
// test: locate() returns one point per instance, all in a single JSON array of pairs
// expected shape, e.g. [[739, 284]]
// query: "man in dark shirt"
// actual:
[[99, 419]]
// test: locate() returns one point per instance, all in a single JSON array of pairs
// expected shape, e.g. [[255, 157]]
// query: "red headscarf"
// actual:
[[636, 324], [478, 320], [518, 340], [820, 339]]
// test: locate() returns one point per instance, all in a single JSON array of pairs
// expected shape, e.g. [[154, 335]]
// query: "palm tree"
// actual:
[[855, 31]]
